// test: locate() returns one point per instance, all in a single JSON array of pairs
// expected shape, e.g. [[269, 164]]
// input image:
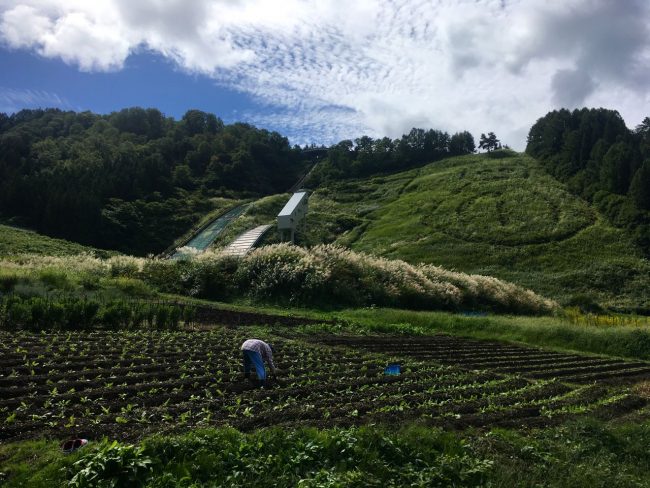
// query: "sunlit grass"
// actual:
[[505, 218]]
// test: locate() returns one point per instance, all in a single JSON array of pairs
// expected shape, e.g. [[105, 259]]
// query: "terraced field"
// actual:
[[529, 362], [127, 385]]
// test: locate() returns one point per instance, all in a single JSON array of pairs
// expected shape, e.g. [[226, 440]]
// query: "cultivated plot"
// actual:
[[129, 384]]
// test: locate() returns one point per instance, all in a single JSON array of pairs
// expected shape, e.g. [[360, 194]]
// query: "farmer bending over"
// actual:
[[255, 353]]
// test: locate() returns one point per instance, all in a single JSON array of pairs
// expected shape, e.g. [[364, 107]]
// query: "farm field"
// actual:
[[127, 385], [528, 362]]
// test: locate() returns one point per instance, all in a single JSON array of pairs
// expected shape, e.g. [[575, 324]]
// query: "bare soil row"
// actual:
[[325, 381]]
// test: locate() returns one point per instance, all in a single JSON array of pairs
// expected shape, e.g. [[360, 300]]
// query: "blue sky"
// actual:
[[146, 80], [325, 70]]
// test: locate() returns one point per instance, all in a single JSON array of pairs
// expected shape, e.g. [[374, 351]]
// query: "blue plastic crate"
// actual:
[[393, 369]]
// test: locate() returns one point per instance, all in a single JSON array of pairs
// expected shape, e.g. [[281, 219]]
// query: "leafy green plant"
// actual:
[[113, 465]]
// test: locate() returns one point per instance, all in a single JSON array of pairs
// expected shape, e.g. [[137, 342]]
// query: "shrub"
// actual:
[[17, 313], [89, 282], [131, 287], [189, 314], [163, 317], [338, 276], [281, 271], [55, 279], [8, 281], [116, 315], [164, 275], [28, 288], [125, 266], [69, 313], [80, 314], [586, 303]]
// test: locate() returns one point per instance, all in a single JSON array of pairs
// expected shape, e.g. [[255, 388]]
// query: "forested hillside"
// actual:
[[602, 161], [135, 179]]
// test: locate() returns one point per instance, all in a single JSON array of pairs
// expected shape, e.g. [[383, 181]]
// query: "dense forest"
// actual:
[[365, 156], [133, 180], [601, 160]]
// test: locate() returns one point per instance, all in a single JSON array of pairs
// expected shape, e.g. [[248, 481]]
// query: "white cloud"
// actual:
[[336, 69], [12, 100]]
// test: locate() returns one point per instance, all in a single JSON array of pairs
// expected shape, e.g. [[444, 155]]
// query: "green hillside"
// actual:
[[21, 241], [502, 216]]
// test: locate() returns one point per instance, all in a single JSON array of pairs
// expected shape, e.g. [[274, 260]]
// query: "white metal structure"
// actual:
[[293, 213]]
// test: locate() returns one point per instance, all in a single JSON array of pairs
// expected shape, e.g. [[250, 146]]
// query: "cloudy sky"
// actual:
[[325, 70]]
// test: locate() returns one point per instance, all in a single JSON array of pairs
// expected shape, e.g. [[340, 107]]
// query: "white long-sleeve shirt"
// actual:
[[260, 347]]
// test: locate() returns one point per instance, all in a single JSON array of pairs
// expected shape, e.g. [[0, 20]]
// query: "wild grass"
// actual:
[[321, 276], [556, 332], [15, 241], [576, 316]]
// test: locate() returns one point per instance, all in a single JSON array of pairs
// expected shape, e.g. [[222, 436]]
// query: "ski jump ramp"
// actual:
[[246, 241]]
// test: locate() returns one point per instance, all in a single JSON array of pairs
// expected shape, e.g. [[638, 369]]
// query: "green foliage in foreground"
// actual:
[[586, 453], [498, 217], [551, 332]]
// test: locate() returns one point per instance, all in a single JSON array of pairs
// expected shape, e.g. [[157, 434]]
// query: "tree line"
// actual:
[[601, 160], [135, 179], [365, 156]]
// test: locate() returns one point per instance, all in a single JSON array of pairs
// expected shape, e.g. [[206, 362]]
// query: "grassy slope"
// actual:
[[555, 333], [500, 217], [20, 241]]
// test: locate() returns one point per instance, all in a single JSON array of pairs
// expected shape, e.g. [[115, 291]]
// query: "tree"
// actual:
[[490, 142], [618, 168], [462, 143], [644, 127], [640, 187]]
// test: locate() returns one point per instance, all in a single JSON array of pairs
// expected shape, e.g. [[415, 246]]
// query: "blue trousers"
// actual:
[[252, 358]]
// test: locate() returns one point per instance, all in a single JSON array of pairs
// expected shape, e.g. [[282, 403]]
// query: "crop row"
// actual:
[[471, 354], [47, 390]]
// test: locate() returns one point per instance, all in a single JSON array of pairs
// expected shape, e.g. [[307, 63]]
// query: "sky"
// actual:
[[320, 71]]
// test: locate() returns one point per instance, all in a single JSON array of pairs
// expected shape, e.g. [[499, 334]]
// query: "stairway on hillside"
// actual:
[[246, 241]]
